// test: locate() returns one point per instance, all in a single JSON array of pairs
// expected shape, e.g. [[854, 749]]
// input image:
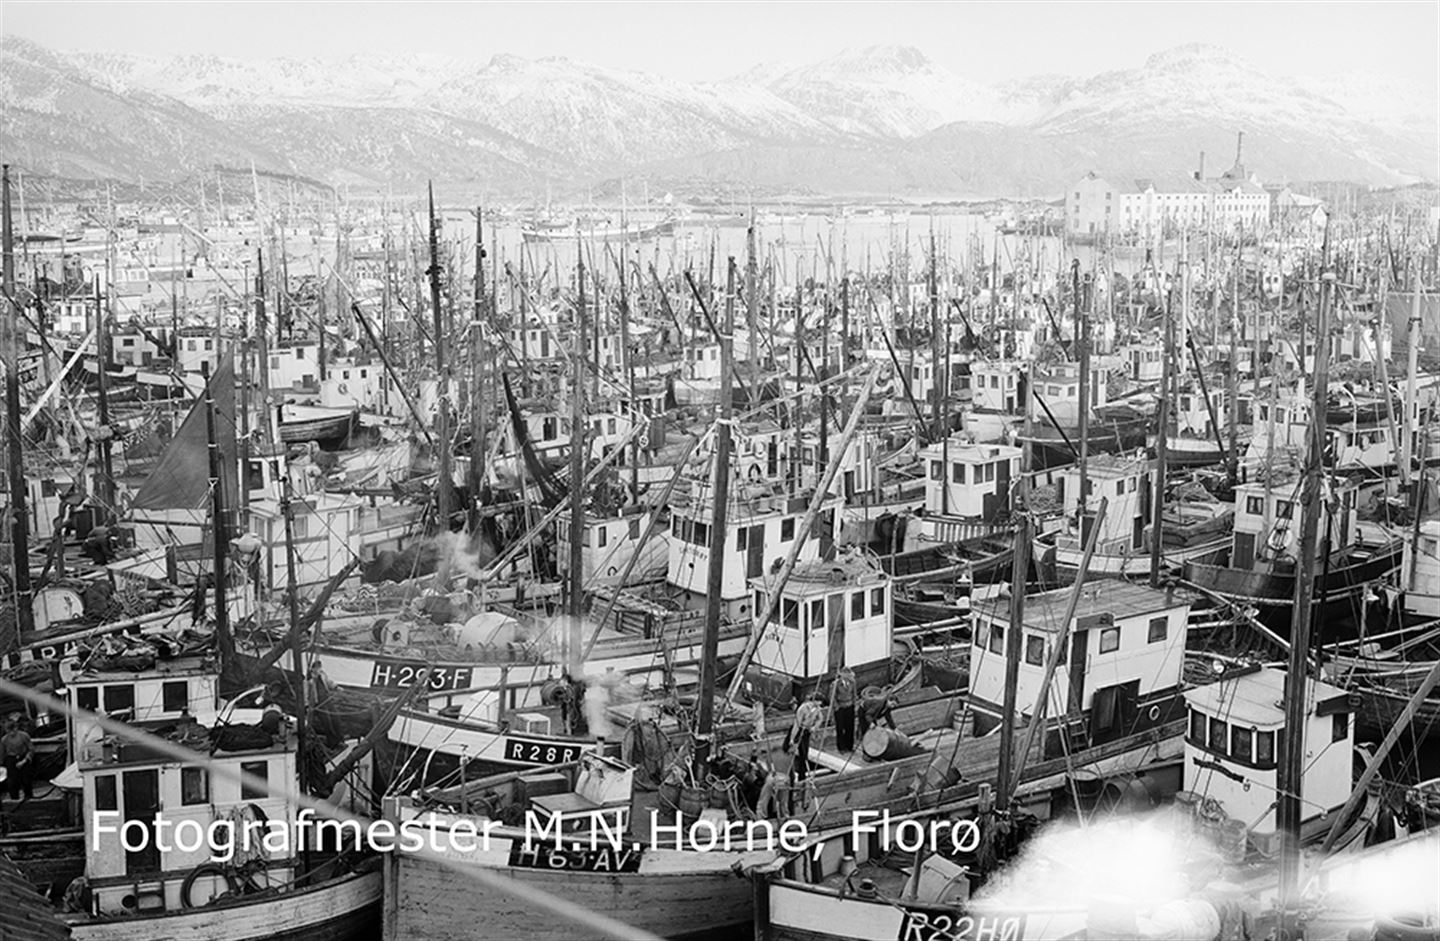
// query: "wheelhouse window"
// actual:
[[194, 786], [1198, 727], [1218, 735], [1035, 651], [1110, 640], [1265, 748], [997, 639], [857, 605], [174, 695], [257, 769], [877, 602], [119, 698], [1159, 628], [790, 612], [1339, 726], [1242, 744], [817, 614]]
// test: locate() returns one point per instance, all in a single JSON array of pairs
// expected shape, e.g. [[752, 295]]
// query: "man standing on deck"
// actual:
[[17, 753], [842, 707], [808, 717]]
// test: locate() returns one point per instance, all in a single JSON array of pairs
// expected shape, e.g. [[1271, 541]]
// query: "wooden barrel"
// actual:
[[691, 801], [883, 744]]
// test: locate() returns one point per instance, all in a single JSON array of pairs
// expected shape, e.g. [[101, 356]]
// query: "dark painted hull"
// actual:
[[1350, 573]]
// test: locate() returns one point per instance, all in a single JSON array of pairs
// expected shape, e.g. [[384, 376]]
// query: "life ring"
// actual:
[[206, 869], [1154, 713], [613, 571]]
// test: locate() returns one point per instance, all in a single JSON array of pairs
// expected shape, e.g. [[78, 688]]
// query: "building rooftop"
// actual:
[[1120, 599], [1256, 699]]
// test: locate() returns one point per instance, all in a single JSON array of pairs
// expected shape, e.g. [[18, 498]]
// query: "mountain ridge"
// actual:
[[872, 119]]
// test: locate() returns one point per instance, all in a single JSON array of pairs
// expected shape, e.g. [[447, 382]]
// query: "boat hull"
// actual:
[[674, 894], [342, 909], [1342, 582]]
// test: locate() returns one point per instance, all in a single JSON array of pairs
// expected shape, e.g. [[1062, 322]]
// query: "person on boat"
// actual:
[[876, 710], [842, 708], [17, 753], [572, 705], [809, 716]]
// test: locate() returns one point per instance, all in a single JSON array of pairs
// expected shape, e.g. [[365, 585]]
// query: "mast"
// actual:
[[297, 664], [1162, 429], [446, 486], [10, 349], [1019, 573], [751, 311], [715, 574], [935, 343], [220, 536], [102, 361], [574, 586], [477, 366], [1412, 341], [628, 362], [1290, 775], [1232, 379], [1082, 339]]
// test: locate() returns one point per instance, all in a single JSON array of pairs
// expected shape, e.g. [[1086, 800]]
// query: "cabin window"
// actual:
[[119, 698], [1035, 651], [682, 529], [1339, 726], [1218, 735], [106, 795], [88, 698], [258, 769], [817, 614], [1197, 727], [982, 634], [877, 602], [997, 639], [958, 473], [937, 470], [790, 612], [299, 351], [1242, 745], [1159, 628], [1283, 509], [1110, 640], [857, 605], [602, 536], [1264, 748], [194, 786], [701, 533], [740, 535], [994, 382], [610, 426], [1119, 487], [1255, 506], [634, 529], [787, 529], [174, 695]]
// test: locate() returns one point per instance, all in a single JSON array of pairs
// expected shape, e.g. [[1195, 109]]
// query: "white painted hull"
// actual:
[[1131, 565], [488, 746], [338, 910], [803, 913]]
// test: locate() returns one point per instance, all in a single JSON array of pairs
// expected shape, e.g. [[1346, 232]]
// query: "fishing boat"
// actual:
[[329, 427]]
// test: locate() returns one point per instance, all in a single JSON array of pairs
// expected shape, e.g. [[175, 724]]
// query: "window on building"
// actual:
[[1110, 640], [877, 602], [194, 786], [857, 605], [787, 529], [1159, 629], [1255, 506], [997, 639], [1264, 748], [174, 695], [257, 769], [1035, 651], [1218, 735], [119, 697], [1242, 744], [107, 796]]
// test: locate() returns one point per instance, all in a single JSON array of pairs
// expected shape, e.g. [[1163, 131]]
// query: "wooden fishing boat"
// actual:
[[328, 427], [1349, 572]]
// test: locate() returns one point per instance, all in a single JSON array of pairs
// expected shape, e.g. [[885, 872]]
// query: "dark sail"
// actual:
[[181, 479]]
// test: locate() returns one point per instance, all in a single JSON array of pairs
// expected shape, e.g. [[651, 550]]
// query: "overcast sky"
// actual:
[[700, 41]]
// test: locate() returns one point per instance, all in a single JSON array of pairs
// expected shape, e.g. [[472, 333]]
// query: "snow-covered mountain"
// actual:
[[878, 119]]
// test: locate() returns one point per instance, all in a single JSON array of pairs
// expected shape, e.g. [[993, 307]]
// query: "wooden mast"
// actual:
[[574, 597], [15, 460], [1232, 379], [935, 346], [1162, 430], [1019, 574], [446, 485], [105, 436], [297, 664], [627, 362], [477, 366], [715, 573], [1082, 340], [1290, 774]]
